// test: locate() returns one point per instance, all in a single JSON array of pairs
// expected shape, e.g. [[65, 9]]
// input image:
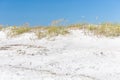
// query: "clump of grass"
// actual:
[[40, 31], [55, 31], [19, 30], [108, 30], [1, 27], [51, 31], [105, 29], [75, 26], [40, 34], [36, 28], [91, 27]]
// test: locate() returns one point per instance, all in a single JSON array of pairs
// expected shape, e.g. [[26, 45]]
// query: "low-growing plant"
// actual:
[[19, 30], [75, 26], [108, 30], [51, 31], [55, 31], [1, 27], [40, 34], [105, 29]]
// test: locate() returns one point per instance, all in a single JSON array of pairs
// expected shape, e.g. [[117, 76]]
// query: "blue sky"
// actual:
[[42, 12]]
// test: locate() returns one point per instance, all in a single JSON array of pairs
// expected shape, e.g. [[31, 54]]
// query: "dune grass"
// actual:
[[107, 30], [1, 27], [52, 31], [55, 31], [19, 30], [104, 29], [40, 32]]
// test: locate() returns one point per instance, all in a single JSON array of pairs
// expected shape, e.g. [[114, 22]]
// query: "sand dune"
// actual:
[[72, 57]]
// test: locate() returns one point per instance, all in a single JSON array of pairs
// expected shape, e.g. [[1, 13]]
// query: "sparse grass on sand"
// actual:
[[40, 32], [18, 30], [105, 29], [108, 30], [51, 31], [1, 27]]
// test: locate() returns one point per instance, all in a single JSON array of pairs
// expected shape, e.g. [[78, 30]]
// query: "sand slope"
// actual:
[[72, 57]]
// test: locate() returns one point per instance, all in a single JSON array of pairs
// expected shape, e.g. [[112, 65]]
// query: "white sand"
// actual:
[[71, 57]]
